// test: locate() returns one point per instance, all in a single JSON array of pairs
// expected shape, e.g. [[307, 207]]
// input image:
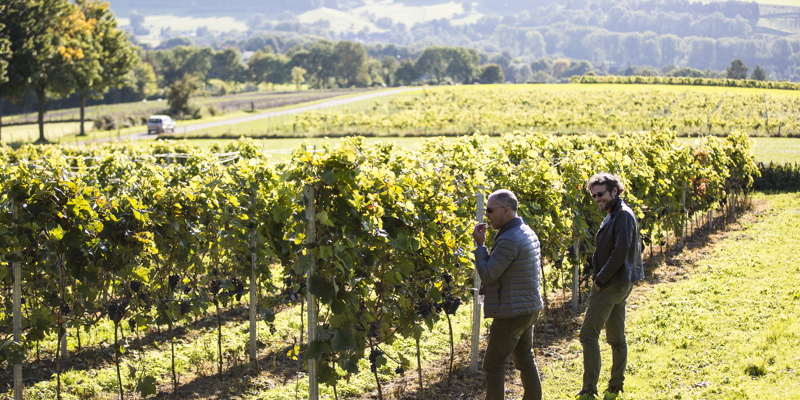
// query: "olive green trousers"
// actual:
[[514, 337], [606, 308]]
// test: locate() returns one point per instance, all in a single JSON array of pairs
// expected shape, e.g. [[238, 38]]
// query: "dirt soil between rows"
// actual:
[[554, 332]]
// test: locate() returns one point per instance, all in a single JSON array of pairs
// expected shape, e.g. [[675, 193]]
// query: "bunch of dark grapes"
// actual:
[[144, 301], [424, 309], [132, 324], [136, 286], [215, 286], [185, 308], [238, 288], [400, 371], [288, 289], [116, 310], [215, 272], [447, 278], [187, 289], [65, 309], [374, 330], [272, 329], [173, 282], [373, 359], [450, 304]]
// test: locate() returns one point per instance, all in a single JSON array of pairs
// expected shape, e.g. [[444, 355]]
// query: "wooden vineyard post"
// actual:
[[63, 343], [17, 300], [710, 220], [313, 386], [683, 217], [253, 296], [576, 270], [476, 299]]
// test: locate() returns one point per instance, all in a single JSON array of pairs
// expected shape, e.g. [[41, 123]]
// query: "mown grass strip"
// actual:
[[728, 331]]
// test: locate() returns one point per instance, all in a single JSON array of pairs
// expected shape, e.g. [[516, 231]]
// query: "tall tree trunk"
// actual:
[[83, 108], [1, 119], [40, 97]]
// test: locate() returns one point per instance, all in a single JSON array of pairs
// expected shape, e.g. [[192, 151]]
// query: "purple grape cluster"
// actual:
[[373, 359]]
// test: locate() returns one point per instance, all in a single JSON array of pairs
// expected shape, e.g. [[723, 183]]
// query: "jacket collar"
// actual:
[[507, 227], [616, 205]]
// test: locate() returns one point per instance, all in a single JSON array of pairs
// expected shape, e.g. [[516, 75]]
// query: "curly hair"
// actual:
[[608, 179]]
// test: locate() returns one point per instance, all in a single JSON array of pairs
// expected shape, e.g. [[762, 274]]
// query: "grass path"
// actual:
[[727, 330]]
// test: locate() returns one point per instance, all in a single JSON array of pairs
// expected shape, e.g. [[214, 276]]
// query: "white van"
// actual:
[[159, 124]]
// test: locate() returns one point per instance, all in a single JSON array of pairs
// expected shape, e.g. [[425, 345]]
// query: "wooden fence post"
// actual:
[[576, 270], [17, 300], [313, 386], [710, 220], [476, 299], [683, 217], [253, 295]]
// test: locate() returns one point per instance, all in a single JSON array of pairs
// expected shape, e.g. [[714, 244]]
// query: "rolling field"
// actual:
[[778, 150], [564, 109]]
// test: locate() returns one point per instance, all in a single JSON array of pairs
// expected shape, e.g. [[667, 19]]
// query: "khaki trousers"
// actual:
[[514, 337]]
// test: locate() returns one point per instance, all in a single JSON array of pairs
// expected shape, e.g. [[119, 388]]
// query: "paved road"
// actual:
[[255, 117]]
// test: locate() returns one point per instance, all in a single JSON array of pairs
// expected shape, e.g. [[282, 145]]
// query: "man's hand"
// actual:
[[479, 234], [594, 285]]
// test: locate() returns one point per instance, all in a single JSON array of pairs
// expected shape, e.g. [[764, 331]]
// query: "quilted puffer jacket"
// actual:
[[511, 273]]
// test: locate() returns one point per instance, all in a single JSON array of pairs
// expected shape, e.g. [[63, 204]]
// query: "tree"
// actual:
[[321, 62], [758, 74], [171, 65], [227, 65], [108, 55], [463, 65], [560, 66], [5, 56], [298, 76], [433, 62], [46, 37], [351, 67], [5, 51], [180, 93], [737, 70], [686, 71], [389, 66], [522, 73], [268, 67], [406, 73], [492, 73]]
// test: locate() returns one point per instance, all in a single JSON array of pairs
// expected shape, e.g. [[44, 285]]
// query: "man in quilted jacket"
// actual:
[[511, 278], [617, 263]]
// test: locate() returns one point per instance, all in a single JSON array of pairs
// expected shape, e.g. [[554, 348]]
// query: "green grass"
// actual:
[[777, 150], [66, 132], [727, 331]]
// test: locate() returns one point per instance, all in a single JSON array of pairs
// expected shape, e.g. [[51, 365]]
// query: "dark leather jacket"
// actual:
[[618, 257]]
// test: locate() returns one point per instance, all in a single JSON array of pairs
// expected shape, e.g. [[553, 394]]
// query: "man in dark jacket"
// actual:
[[617, 263], [510, 274]]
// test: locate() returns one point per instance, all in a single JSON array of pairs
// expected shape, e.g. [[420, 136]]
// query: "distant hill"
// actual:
[[610, 35]]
